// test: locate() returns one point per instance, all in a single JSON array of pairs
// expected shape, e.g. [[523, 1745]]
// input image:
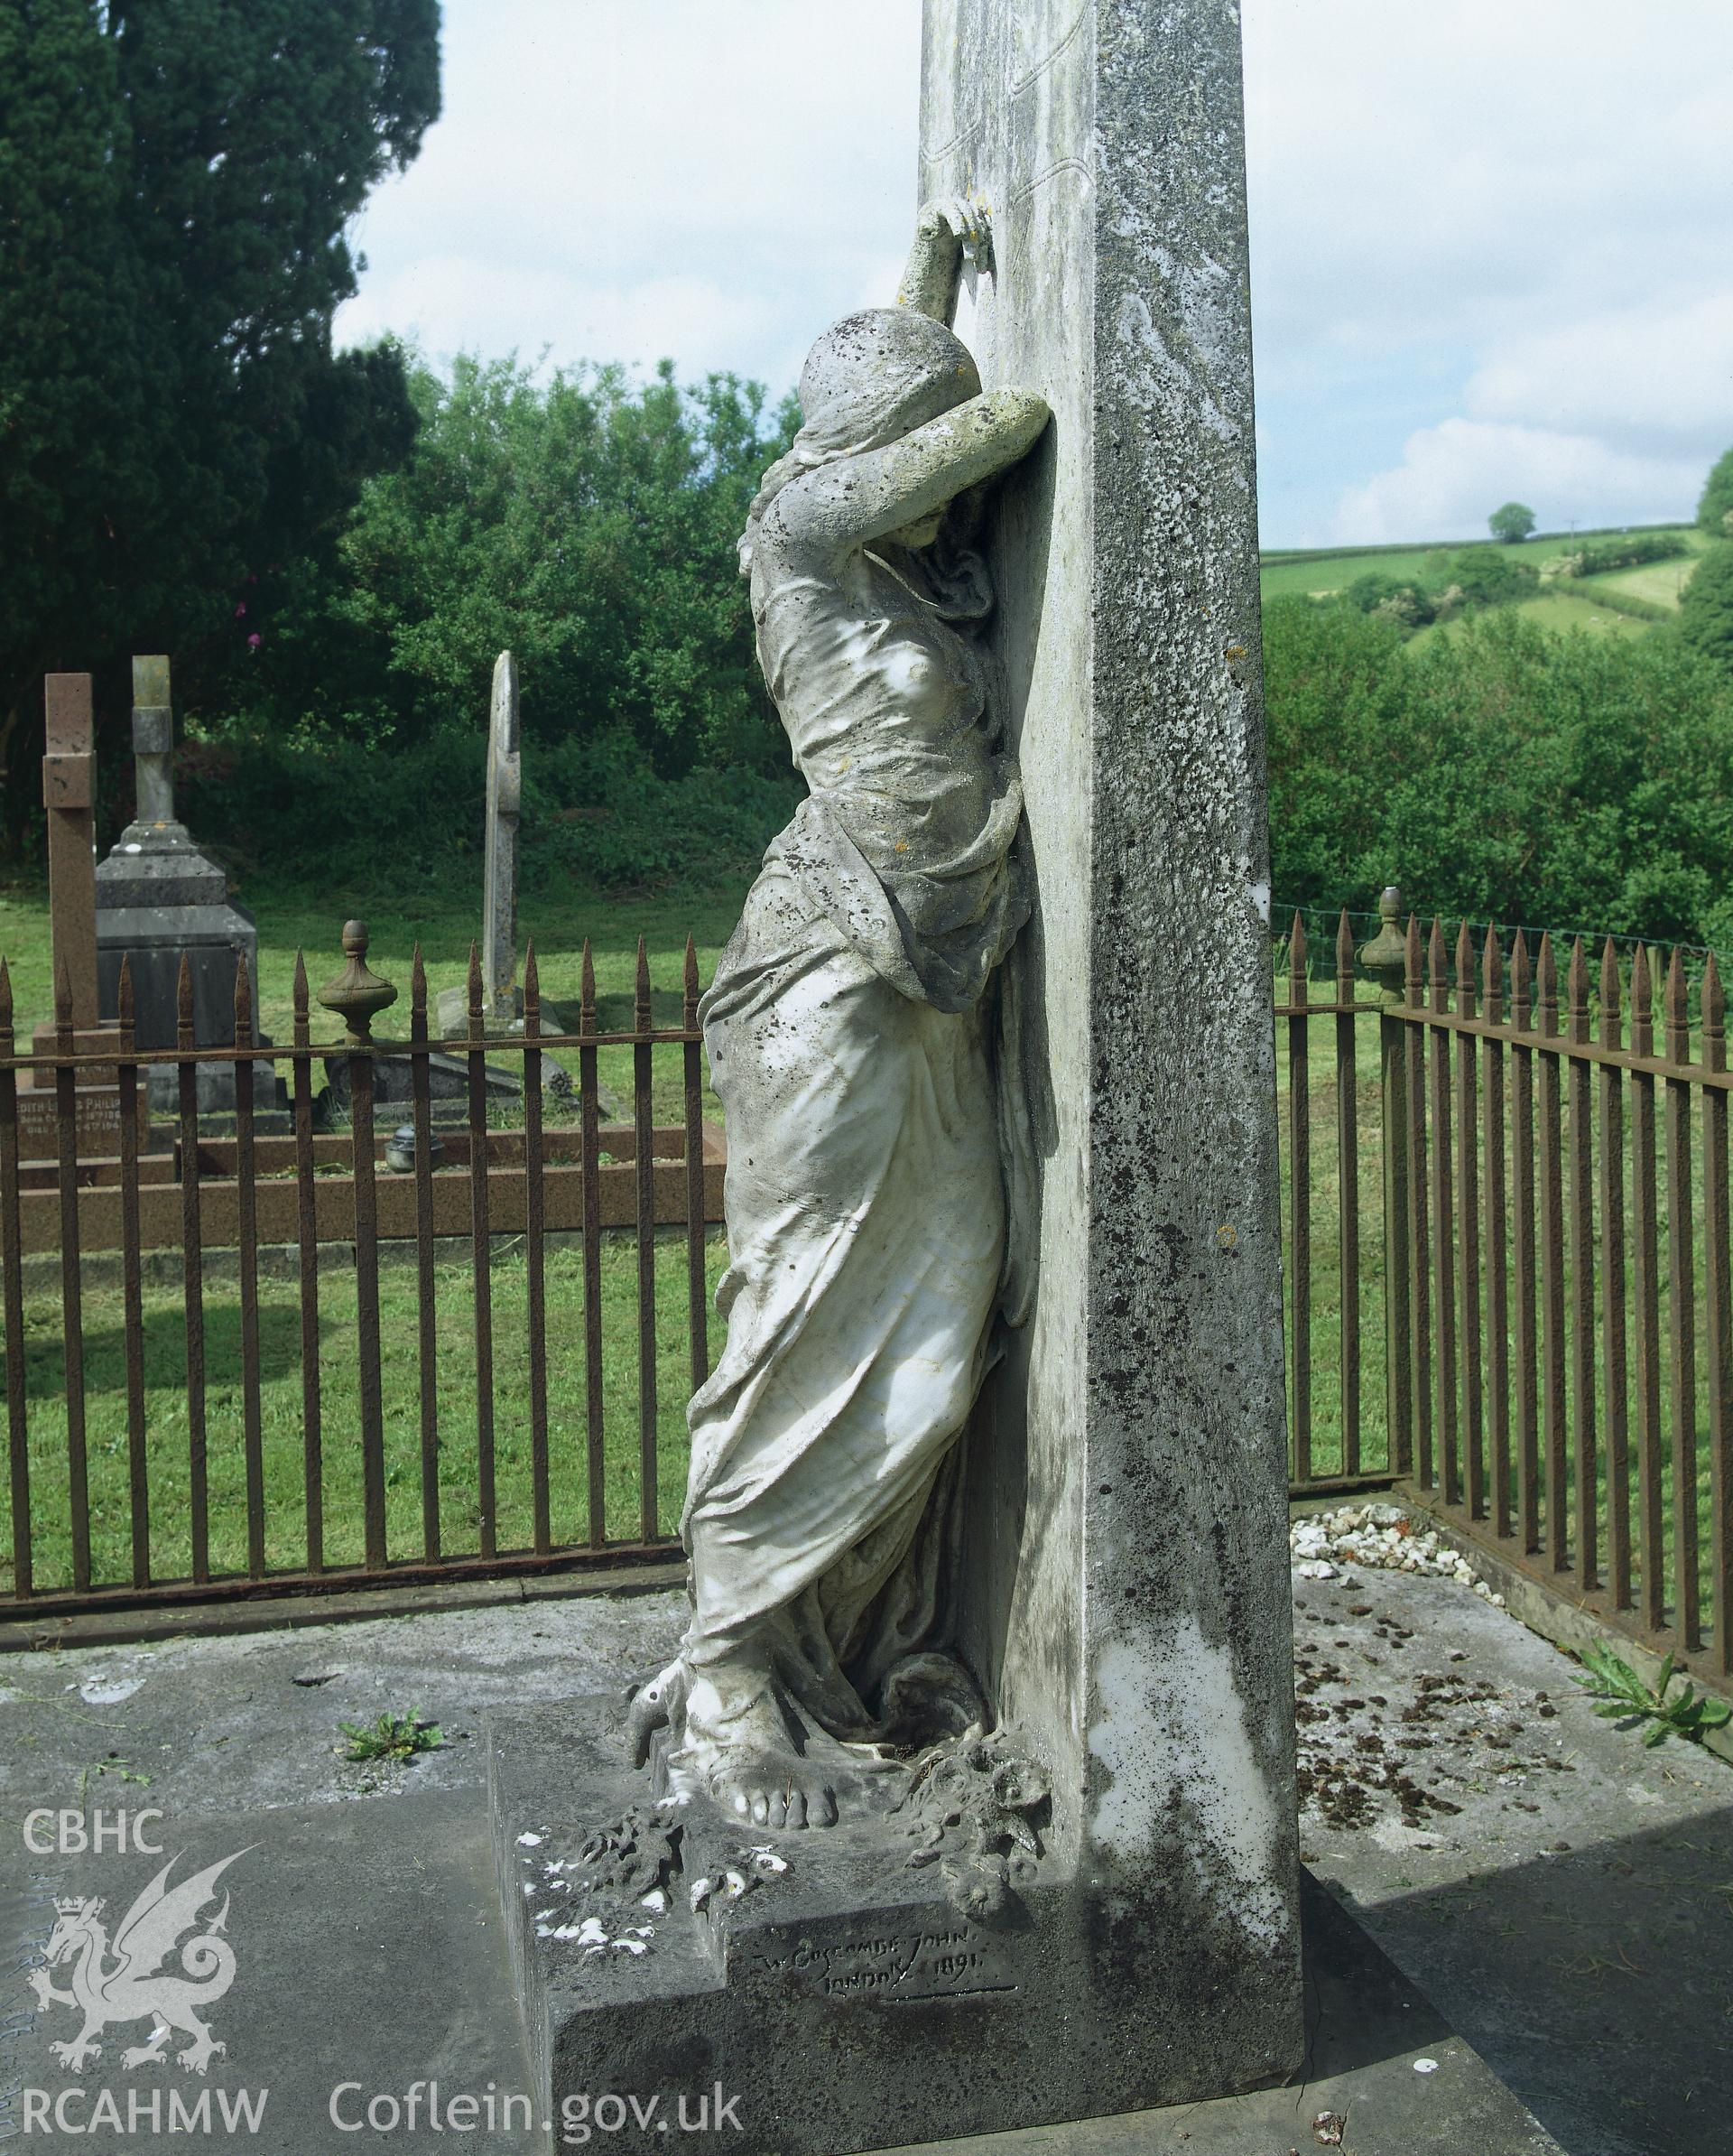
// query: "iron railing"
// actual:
[[1506, 1220], [297, 1196], [1551, 1258]]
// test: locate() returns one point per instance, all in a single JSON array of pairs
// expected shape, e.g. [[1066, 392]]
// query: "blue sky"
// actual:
[[1489, 241]]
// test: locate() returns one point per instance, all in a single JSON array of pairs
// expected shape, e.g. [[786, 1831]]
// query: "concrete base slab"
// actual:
[[369, 1957]]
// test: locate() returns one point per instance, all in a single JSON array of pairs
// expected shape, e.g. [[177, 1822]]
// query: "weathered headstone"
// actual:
[[159, 897], [502, 997], [1125, 1588], [68, 797], [499, 858]]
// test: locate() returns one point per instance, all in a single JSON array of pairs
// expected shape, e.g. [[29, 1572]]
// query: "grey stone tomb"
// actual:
[[988, 1517], [159, 897]]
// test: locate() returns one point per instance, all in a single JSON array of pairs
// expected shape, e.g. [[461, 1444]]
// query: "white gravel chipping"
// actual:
[[1383, 1538]]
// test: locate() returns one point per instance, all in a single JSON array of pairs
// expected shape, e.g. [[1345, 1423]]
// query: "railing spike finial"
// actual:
[[1676, 1004], [1492, 976], [242, 1001], [1521, 982], [1642, 1003], [417, 980], [1435, 975], [1714, 1002], [1464, 970], [1611, 993], [587, 989], [1411, 985], [1576, 991], [63, 994], [1299, 960], [688, 986], [531, 979], [1546, 981], [642, 995], [6, 997]]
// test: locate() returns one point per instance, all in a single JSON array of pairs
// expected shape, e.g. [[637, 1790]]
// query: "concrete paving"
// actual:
[[1564, 1897]]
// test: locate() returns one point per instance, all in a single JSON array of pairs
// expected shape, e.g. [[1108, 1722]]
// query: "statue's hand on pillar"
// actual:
[[949, 228]]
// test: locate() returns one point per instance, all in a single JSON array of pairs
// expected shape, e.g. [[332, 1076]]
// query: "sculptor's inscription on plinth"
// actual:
[[946, 1961]]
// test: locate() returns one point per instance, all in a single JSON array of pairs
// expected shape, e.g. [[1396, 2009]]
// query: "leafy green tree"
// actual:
[[1715, 508], [1514, 521], [176, 177], [1706, 608], [1483, 577], [588, 523], [1501, 771]]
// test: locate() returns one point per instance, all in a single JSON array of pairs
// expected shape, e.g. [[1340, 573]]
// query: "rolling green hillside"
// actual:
[[1320, 573]]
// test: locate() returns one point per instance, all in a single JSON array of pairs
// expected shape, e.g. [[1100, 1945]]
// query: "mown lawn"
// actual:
[[282, 1421], [291, 919]]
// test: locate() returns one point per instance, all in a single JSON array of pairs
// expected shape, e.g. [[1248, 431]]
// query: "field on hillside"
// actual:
[[1320, 574]]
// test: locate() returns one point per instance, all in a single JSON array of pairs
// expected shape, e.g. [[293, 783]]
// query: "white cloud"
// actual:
[[1648, 381], [703, 179], [1453, 475], [1490, 217], [1493, 215]]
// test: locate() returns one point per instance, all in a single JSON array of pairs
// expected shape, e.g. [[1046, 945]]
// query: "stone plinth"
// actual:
[[841, 1999]]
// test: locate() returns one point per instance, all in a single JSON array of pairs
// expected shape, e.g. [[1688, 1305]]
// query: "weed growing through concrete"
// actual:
[[1625, 1699], [390, 1737]]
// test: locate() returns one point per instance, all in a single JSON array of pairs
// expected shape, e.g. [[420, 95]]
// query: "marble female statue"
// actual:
[[847, 1028]]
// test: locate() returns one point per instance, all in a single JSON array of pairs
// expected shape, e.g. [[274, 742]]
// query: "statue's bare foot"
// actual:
[[756, 1757]]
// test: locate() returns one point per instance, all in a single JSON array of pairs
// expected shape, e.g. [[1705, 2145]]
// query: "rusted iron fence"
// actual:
[[1505, 1213], [1517, 1188], [87, 1505]]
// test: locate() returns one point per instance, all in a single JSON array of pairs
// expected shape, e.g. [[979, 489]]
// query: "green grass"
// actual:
[[282, 1420], [291, 918]]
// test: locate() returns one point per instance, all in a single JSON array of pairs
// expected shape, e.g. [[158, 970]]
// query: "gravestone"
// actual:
[[1124, 1601], [502, 1001], [159, 897], [69, 798], [502, 995]]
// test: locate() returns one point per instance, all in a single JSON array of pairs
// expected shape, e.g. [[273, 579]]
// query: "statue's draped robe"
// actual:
[[865, 1211]]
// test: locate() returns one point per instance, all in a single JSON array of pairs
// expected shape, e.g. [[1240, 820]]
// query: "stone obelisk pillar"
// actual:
[[1129, 1602]]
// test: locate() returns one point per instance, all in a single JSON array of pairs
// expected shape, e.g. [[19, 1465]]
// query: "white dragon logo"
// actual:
[[133, 1987]]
